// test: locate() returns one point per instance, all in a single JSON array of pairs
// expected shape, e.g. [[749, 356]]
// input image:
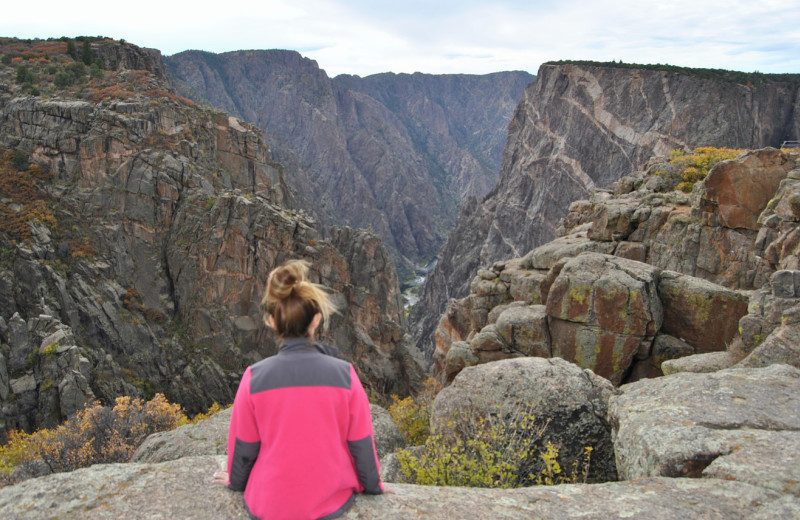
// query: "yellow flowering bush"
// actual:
[[695, 166], [412, 414], [490, 452]]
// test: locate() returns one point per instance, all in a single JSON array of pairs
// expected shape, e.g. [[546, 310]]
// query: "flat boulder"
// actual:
[[182, 489], [737, 424]]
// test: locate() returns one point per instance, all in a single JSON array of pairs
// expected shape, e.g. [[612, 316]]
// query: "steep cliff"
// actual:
[[581, 127], [394, 153], [138, 230], [647, 274]]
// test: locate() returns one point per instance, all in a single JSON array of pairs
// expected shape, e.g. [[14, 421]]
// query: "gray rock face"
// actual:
[[679, 284], [166, 219], [571, 399], [394, 153], [578, 128], [688, 424], [181, 488], [206, 437], [388, 438]]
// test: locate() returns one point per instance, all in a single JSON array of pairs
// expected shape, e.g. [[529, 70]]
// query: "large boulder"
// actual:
[[702, 313], [601, 309], [206, 437], [573, 400], [736, 424], [738, 191]]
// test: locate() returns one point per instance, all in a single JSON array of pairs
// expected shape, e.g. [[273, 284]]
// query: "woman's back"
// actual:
[[305, 416]]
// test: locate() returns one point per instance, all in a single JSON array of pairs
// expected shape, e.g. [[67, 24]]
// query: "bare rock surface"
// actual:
[[183, 489], [715, 425], [580, 128]]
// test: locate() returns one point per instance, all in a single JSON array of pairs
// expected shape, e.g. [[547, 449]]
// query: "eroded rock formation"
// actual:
[[394, 153], [644, 275], [579, 128], [145, 276]]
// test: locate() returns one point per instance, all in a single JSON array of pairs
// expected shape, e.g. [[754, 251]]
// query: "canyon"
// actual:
[[394, 153], [139, 226]]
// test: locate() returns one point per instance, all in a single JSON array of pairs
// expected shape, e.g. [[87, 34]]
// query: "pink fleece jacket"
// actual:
[[301, 442]]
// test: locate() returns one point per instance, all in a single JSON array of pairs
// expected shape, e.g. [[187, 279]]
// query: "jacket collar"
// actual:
[[305, 345]]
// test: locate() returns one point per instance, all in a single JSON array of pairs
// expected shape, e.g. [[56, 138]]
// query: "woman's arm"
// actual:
[[360, 438], [243, 439]]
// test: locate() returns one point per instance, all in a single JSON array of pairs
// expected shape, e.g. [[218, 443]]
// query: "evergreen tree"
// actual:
[[86, 52], [71, 50]]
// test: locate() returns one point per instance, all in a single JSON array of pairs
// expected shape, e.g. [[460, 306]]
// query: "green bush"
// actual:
[[71, 50], [21, 160], [24, 75], [63, 79], [77, 69], [6, 59], [86, 52], [412, 415], [490, 452]]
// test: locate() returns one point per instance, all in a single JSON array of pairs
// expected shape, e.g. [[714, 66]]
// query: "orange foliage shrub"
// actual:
[[27, 202], [96, 434]]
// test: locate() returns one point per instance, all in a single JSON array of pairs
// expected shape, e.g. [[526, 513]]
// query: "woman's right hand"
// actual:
[[221, 477]]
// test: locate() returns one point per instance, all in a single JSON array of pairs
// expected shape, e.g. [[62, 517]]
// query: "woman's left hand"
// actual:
[[221, 477]]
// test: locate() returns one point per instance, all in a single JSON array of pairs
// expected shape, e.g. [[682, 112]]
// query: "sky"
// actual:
[[365, 37]]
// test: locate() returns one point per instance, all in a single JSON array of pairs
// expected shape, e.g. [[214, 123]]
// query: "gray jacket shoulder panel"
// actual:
[[299, 363]]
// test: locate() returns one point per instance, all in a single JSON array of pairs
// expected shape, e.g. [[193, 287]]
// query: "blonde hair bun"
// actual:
[[292, 300]]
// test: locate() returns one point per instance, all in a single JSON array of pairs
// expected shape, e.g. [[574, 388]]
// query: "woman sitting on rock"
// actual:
[[301, 442]]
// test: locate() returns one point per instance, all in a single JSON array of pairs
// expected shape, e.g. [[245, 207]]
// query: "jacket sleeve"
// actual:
[[243, 440], [360, 438]]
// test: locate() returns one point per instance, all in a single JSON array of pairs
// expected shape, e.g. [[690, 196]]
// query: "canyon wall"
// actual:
[[138, 232], [396, 153], [579, 128]]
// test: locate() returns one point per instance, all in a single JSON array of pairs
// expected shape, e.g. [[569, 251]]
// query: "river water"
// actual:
[[412, 288]]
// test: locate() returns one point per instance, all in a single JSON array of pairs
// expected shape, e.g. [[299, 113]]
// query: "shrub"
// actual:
[[86, 52], [96, 72], [63, 79], [6, 59], [71, 50], [696, 165], [96, 434], [24, 75], [493, 451], [21, 160], [77, 69], [412, 414]]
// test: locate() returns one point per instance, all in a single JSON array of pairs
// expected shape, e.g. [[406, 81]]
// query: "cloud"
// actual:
[[447, 36]]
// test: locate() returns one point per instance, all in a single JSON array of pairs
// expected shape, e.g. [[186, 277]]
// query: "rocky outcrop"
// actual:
[[580, 128], [164, 221], [731, 438], [179, 488], [210, 436], [736, 424], [643, 276], [394, 153], [570, 401]]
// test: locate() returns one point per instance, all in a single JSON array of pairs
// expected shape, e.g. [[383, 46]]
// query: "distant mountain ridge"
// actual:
[[396, 153]]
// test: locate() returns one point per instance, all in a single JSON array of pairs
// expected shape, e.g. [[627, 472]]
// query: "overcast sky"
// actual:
[[441, 36]]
